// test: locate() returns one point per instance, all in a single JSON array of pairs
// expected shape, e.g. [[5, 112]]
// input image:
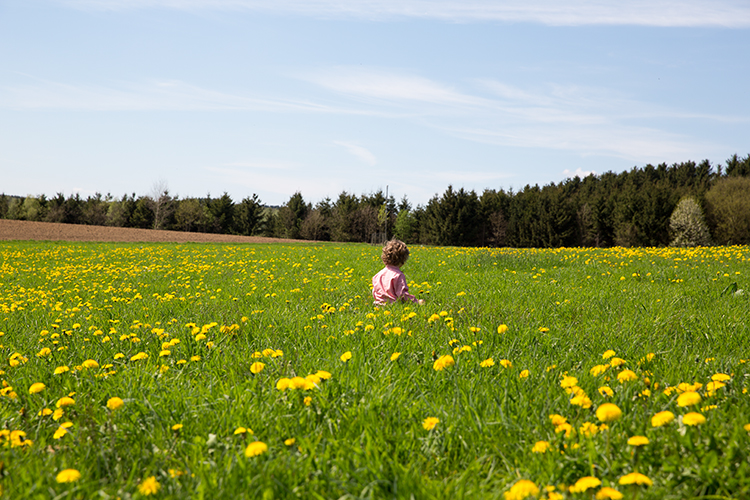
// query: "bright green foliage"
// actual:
[[201, 371], [687, 225], [728, 210]]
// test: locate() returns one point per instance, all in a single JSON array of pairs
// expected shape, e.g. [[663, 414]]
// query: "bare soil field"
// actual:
[[48, 231]]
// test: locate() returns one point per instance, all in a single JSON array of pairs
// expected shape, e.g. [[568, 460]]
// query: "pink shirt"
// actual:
[[389, 285]]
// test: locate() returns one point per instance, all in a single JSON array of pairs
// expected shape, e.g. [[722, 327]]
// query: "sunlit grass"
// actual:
[[214, 348]]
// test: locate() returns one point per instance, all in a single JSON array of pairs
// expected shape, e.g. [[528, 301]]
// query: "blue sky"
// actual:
[[322, 96]]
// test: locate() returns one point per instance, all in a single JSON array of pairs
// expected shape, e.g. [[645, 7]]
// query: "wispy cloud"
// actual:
[[723, 13], [168, 95], [358, 151]]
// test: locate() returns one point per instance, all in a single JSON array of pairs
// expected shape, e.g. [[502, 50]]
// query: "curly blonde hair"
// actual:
[[395, 253]]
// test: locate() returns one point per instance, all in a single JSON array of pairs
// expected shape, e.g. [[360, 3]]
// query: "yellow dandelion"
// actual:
[[256, 448], [720, 377], [149, 486], [90, 363], [608, 493], [662, 418], [36, 388], [693, 419], [541, 447], [689, 398], [177, 427], [502, 329], [584, 484], [290, 441], [638, 441], [115, 403], [635, 478], [626, 376], [395, 356], [61, 369], [598, 370], [608, 412], [65, 401], [307, 400], [524, 374], [68, 476], [257, 367], [608, 354], [443, 362], [606, 391], [487, 363], [346, 356], [521, 489], [139, 356], [429, 423]]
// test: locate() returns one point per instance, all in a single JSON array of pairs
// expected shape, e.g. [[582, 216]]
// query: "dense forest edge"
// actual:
[[684, 204]]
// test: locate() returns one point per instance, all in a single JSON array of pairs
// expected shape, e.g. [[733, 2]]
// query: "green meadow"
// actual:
[[265, 371]]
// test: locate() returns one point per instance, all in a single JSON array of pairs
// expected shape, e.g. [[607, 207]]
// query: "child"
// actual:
[[389, 285]]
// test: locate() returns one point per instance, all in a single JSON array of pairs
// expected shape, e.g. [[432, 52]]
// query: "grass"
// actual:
[[671, 316]]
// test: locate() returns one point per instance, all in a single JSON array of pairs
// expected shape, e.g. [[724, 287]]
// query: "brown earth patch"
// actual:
[[49, 231]]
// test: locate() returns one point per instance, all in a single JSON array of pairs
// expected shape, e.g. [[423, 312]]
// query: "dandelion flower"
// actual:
[[689, 398], [115, 403], [65, 401], [68, 476], [638, 441], [177, 427], [90, 363], [323, 374], [693, 419], [139, 356], [626, 376], [541, 447], [502, 329], [290, 441], [585, 483], [608, 493], [635, 478], [523, 488], [257, 367], [149, 486], [608, 412], [523, 374], [443, 362], [662, 418], [307, 400], [395, 356], [608, 354], [606, 391], [720, 377], [283, 384], [36, 388], [430, 422], [487, 363], [598, 370], [240, 430], [256, 448], [346, 356]]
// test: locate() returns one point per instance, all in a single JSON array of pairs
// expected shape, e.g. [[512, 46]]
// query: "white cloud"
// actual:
[[358, 151], [144, 96], [723, 13]]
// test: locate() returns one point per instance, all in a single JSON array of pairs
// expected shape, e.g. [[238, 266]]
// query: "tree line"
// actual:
[[638, 207]]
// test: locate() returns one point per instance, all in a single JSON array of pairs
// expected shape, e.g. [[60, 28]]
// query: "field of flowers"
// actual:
[[221, 371]]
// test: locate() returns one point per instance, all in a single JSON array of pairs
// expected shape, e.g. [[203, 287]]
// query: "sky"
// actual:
[[271, 97]]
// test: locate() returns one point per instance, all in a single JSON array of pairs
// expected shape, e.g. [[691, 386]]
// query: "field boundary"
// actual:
[[21, 230]]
